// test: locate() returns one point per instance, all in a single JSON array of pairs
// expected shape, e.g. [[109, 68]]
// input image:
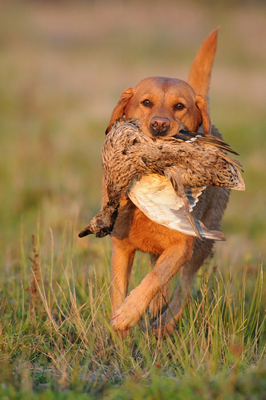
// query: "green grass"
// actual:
[[56, 335], [63, 67]]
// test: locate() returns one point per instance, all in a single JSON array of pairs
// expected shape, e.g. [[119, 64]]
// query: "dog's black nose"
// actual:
[[159, 125]]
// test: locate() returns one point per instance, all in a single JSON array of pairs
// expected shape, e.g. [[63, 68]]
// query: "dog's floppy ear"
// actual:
[[119, 110], [203, 107]]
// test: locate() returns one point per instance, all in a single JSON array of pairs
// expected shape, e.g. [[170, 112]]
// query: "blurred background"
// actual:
[[63, 67]]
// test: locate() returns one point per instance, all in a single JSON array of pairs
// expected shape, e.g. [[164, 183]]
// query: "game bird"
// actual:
[[163, 176]]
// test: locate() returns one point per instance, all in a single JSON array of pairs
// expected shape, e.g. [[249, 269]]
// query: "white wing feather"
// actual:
[[155, 197]]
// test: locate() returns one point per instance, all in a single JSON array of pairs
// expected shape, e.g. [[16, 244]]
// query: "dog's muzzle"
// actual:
[[159, 126]]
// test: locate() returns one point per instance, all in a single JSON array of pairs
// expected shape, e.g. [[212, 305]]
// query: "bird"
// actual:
[[163, 176]]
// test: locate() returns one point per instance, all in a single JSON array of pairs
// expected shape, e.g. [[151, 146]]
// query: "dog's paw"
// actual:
[[126, 315], [161, 331]]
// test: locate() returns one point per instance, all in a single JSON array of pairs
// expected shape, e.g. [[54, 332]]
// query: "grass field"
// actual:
[[63, 66]]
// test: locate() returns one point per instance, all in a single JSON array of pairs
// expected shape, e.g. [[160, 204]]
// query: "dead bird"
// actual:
[[163, 176]]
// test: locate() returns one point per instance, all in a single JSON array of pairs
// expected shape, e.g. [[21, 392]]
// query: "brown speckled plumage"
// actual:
[[188, 160]]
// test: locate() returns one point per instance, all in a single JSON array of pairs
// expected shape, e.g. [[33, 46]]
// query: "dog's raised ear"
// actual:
[[201, 68], [119, 110], [202, 105]]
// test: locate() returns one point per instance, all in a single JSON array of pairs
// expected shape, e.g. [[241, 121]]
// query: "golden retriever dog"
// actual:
[[163, 107]]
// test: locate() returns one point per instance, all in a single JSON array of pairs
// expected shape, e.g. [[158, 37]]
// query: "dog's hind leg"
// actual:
[[161, 299], [168, 320]]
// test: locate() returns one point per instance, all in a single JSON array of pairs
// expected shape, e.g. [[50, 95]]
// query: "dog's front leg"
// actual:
[[122, 260], [170, 261]]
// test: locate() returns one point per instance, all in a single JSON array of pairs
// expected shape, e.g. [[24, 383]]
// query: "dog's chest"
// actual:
[[133, 227]]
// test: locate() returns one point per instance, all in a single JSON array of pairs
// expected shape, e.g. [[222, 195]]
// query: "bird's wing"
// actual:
[[193, 195], [200, 137], [155, 197]]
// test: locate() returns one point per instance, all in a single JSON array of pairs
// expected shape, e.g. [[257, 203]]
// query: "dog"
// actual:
[[163, 107]]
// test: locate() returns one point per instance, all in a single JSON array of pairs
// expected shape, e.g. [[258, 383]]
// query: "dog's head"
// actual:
[[163, 107]]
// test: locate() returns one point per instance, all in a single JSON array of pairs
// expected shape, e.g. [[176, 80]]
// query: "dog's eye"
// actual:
[[179, 106], [147, 103]]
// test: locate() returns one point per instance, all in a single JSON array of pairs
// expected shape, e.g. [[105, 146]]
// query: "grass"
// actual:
[[56, 335], [63, 67]]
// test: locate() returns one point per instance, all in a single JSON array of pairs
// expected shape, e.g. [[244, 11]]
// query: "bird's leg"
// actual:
[[174, 177]]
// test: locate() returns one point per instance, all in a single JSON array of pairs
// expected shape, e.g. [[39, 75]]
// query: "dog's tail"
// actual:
[[200, 71]]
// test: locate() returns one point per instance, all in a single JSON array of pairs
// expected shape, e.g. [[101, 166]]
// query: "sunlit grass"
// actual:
[[55, 326]]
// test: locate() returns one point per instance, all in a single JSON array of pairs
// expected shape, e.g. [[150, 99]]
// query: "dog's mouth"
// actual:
[[186, 135], [160, 134], [183, 134]]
